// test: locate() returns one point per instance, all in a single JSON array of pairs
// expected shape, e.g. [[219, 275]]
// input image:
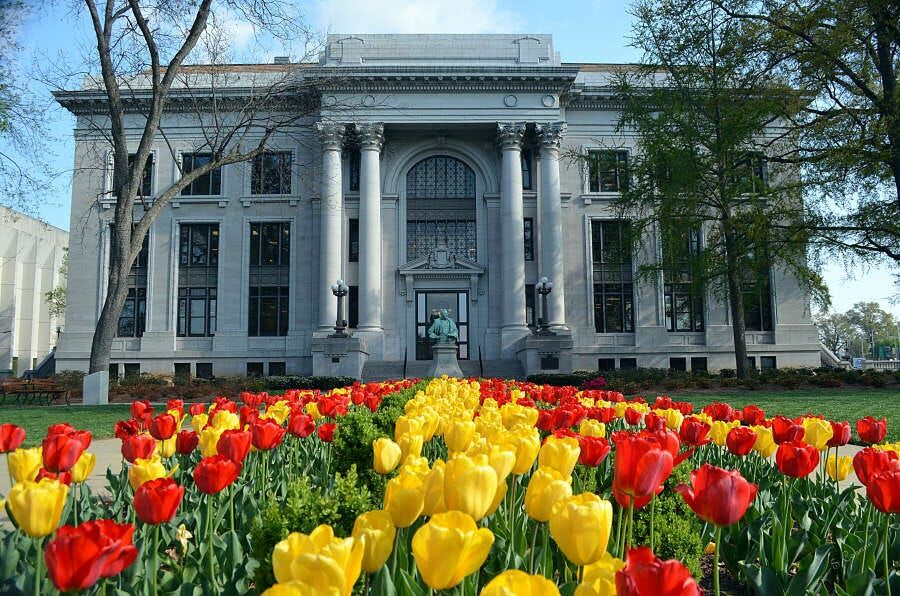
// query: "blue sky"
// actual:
[[583, 31]]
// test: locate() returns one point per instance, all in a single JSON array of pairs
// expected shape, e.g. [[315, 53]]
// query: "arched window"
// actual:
[[440, 210]]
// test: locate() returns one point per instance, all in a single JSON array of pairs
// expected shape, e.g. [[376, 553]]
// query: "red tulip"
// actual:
[[642, 464], [632, 416], [235, 445], [786, 430], [215, 473], [694, 432], [177, 405], [267, 434], [753, 415], [60, 452], [11, 436], [140, 408], [126, 428], [720, 411], [195, 409], [645, 574], [593, 450], [156, 501], [163, 427], [871, 430], [718, 496], [884, 491], [301, 425], [77, 557], [186, 442], [796, 458], [654, 421], [840, 433], [60, 428], [869, 462], [249, 415], [63, 477], [251, 399], [138, 447], [326, 432], [740, 440]]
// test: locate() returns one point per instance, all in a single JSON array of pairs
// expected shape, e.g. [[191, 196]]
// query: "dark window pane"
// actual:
[[271, 173], [353, 307], [354, 170], [133, 318], [529, 239], [146, 181], [613, 290], [607, 171], [209, 183], [353, 234], [254, 369], [527, 175], [440, 177]]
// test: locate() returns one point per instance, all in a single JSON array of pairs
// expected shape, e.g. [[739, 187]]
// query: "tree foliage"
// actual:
[[856, 333], [706, 112]]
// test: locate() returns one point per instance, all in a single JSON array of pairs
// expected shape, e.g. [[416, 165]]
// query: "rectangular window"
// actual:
[[353, 239], [612, 276], [756, 293], [527, 171], [208, 184], [132, 369], [628, 363], [270, 259], [271, 173], [698, 364], [606, 364], [113, 371], [751, 172], [683, 298], [204, 370], [530, 312], [254, 369], [198, 279], [353, 307], [133, 319], [182, 371], [529, 239], [679, 364], [767, 363], [277, 369], [355, 159], [146, 188], [607, 171]]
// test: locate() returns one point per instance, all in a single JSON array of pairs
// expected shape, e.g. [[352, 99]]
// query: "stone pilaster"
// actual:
[[371, 139], [331, 244], [551, 263]]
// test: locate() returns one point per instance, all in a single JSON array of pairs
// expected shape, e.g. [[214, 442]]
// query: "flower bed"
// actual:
[[491, 487]]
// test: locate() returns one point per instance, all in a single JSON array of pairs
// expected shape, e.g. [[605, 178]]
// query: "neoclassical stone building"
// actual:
[[436, 173]]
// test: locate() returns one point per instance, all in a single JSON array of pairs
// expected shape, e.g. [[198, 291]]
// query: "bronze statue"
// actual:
[[443, 328]]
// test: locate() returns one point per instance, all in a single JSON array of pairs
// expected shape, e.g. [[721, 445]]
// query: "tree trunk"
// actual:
[[736, 302]]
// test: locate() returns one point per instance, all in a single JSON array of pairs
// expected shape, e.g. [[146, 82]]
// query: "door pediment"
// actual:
[[439, 265]]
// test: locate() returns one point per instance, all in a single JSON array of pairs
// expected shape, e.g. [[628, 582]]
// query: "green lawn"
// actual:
[[100, 420], [836, 404]]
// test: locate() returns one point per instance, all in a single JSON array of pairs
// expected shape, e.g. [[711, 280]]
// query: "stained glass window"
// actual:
[[440, 177]]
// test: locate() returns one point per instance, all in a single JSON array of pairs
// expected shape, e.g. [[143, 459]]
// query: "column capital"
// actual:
[[331, 134], [551, 134], [510, 134], [370, 135]]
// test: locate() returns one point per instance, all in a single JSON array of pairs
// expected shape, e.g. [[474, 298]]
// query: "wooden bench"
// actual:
[[35, 391]]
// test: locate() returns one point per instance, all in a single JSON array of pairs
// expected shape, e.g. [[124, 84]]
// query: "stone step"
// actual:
[[383, 370]]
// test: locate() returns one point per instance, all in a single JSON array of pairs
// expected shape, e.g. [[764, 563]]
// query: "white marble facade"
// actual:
[[462, 109]]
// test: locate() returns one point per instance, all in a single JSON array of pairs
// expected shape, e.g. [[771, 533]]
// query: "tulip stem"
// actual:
[[38, 566], [231, 505], [652, 518], [630, 524], [716, 561], [866, 542], [533, 543], [209, 530], [887, 565], [155, 558], [618, 544]]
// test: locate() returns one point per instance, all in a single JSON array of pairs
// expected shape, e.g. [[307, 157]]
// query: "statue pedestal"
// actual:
[[546, 353], [95, 388], [444, 360], [339, 356]]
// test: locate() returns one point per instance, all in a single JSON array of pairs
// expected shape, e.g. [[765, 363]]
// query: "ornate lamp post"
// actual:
[[544, 287], [340, 289]]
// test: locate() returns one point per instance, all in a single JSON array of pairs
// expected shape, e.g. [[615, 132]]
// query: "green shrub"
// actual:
[[305, 507], [296, 382], [353, 447], [69, 379], [144, 380], [676, 528]]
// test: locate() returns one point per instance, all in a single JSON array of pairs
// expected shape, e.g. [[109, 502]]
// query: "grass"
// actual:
[[100, 420], [836, 404]]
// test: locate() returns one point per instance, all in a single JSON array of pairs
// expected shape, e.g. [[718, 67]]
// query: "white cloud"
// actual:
[[407, 16]]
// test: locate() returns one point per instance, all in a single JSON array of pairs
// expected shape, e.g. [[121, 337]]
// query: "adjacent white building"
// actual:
[[437, 173], [31, 259]]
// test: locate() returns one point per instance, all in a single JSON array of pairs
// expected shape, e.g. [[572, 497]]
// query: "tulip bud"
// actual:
[[838, 468], [386, 455], [37, 506], [546, 488], [404, 498], [449, 547], [560, 453], [470, 484], [580, 526], [376, 531]]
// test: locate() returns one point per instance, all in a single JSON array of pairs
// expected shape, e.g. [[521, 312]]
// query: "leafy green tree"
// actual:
[[837, 333], [873, 325], [705, 113]]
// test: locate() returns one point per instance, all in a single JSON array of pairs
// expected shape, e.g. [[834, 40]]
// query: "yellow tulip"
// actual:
[[387, 455], [519, 583], [719, 429], [503, 459], [37, 506], [299, 588], [410, 445], [404, 498], [499, 496], [674, 418], [225, 420], [818, 432], [513, 415], [592, 428], [144, 470], [527, 442], [434, 490], [415, 465], [765, 441], [458, 434], [838, 468], [449, 547], [327, 564], [24, 464], [376, 531], [470, 484], [599, 578], [580, 526], [209, 440], [546, 488], [279, 411], [560, 453], [407, 425], [166, 448], [312, 408], [199, 421], [83, 467]]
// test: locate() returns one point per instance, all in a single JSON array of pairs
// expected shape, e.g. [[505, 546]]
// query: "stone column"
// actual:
[[551, 263], [332, 202], [371, 138], [512, 238]]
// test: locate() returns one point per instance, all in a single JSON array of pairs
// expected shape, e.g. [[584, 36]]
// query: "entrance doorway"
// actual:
[[429, 304]]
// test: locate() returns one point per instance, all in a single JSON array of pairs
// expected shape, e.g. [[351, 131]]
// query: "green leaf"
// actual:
[[409, 586], [382, 584]]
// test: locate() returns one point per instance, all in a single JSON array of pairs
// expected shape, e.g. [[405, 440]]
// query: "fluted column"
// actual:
[[331, 243], [551, 254], [512, 238], [371, 138]]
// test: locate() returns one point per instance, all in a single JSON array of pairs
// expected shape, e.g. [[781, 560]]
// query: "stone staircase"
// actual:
[[382, 370]]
